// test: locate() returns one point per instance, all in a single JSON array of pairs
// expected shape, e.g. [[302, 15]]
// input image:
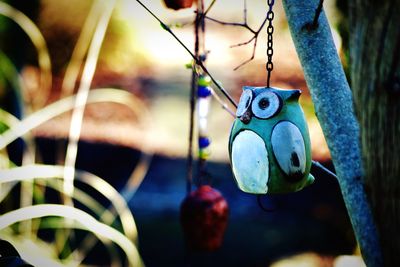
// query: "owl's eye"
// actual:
[[244, 102], [266, 105]]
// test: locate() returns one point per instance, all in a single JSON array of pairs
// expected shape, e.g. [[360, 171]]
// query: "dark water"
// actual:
[[314, 219]]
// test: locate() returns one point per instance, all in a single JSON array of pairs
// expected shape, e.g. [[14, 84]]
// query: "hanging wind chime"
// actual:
[[269, 143], [204, 211]]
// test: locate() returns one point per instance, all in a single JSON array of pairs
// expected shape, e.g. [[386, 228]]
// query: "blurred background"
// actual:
[[307, 228]]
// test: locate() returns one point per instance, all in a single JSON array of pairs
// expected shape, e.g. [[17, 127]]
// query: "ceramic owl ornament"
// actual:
[[269, 144]]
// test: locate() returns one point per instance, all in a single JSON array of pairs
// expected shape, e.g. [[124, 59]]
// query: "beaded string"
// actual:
[[203, 108]]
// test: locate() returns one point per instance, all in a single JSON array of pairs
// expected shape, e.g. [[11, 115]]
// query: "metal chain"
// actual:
[[270, 31]]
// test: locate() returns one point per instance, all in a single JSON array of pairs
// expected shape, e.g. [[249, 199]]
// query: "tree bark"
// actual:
[[375, 78], [333, 103]]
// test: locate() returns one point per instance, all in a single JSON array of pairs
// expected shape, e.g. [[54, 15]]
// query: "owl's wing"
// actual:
[[289, 150], [250, 165]]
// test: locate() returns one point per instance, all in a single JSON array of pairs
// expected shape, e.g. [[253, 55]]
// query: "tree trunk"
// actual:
[[375, 79], [334, 108]]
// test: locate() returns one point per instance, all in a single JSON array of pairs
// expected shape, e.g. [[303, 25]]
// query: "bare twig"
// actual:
[[196, 59], [252, 55], [208, 9], [246, 26], [244, 43], [222, 103], [317, 13], [189, 167], [245, 11], [189, 174], [191, 22]]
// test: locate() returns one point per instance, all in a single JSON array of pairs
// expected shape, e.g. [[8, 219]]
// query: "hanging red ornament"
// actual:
[[204, 216], [178, 4]]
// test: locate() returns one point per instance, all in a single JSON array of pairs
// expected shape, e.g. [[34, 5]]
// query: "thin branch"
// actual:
[[196, 59], [244, 43], [317, 13], [245, 11], [246, 26], [223, 104], [191, 22], [208, 9], [189, 169], [252, 55]]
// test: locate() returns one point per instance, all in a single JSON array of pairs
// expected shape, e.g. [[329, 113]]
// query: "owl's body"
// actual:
[[269, 145]]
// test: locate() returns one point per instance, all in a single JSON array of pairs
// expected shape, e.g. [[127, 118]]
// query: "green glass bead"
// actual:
[[204, 80], [204, 153]]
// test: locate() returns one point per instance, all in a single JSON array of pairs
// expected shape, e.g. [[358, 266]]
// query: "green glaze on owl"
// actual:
[[269, 144]]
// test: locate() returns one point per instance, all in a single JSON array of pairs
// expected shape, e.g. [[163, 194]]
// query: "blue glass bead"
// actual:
[[203, 57], [204, 142], [203, 91]]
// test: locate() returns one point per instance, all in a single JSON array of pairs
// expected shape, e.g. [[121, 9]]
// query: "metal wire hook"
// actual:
[[261, 205]]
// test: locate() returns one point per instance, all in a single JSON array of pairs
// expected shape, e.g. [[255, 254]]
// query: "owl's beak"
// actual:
[[246, 117]]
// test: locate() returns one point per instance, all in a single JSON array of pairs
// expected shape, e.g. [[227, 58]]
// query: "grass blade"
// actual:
[[82, 95], [40, 44], [84, 219]]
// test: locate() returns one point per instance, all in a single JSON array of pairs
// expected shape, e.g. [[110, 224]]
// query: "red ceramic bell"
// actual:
[[178, 4], [204, 216]]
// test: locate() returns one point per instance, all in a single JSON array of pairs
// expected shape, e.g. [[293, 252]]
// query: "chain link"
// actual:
[[270, 31]]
